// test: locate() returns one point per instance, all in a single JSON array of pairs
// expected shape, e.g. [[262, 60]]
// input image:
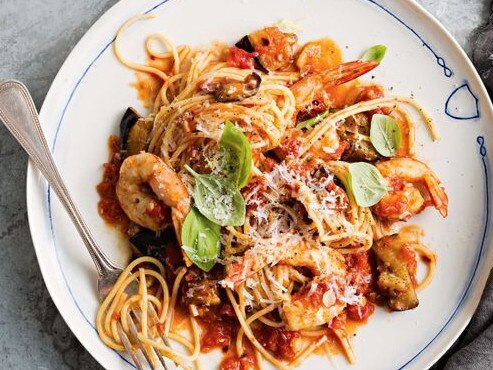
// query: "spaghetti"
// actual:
[[275, 253]]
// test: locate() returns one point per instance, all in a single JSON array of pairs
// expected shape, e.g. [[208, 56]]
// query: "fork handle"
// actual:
[[18, 113]]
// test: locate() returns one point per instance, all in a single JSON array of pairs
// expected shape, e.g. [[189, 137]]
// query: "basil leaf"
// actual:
[[312, 121], [385, 135], [237, 153], [201, 240], [219, 200], [366, 184], [375, 53]]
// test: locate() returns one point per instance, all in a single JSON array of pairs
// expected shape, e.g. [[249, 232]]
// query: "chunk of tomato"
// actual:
[[240, 58]]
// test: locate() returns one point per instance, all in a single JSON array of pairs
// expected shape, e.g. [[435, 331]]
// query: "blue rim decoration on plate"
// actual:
[[440, 60], [473, 102]]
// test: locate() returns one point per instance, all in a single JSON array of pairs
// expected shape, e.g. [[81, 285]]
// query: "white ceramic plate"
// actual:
[[91, 91]]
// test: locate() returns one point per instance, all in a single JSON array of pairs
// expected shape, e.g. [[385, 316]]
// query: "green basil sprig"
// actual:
[[366, 183], [237, 161], [312, 121], [201, 240], [218, 199], [375, 53], [385, 135]]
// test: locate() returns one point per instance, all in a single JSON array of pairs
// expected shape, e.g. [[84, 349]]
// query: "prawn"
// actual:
[[140, 202], [410, 182], [311, 88], [319, 260], [318, 56], [318, 302]]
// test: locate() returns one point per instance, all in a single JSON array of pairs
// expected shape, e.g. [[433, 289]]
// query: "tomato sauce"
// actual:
[[219, 327], [147, 86], [218, 335], [372, 92], [394, 203], [163, 64], [343, 145], [396, 184], [409, 255], [252, 193], [219, 330], [246, 362], [290, 146], [361, 272], [392, 206], [278, 341], [360, 313], [240, 58], [109, 206], [339, 322], [267, 164], [343, 202], [314, 298], [316, 107], [159, 211]]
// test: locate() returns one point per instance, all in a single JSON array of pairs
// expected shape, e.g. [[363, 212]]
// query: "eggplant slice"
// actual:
[[129, 119], [246, 45], [352, 130], [138, 137], [151, 243], [394, 280], [134, 132], [275, 49], [236, 91]]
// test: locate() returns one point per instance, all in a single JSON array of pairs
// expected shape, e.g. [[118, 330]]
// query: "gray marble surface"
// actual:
[[35, 38]]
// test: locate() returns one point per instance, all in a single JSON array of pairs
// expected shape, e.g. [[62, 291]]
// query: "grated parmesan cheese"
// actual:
[[329, 298], [350, 296], [289, 26], [313, 288]]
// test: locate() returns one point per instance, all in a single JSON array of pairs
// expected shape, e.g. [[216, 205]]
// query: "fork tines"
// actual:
[[152, 356], [128, 347]]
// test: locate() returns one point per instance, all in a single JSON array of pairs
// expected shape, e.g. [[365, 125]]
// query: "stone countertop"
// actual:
[[35, 38]]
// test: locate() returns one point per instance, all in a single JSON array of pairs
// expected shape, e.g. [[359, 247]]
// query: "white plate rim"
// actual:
[[460, 317]]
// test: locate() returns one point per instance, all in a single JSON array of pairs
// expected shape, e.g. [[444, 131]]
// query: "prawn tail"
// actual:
[[178, 217], [347, 72], [437, 194]]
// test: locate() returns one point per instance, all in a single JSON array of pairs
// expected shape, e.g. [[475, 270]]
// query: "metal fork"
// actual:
[[18, 113], [149, 353]]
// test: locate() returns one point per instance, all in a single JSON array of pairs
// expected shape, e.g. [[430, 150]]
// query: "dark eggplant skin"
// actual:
[[246, 45], [276, 49], [129, 119], [153, 244], [238, 91]]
